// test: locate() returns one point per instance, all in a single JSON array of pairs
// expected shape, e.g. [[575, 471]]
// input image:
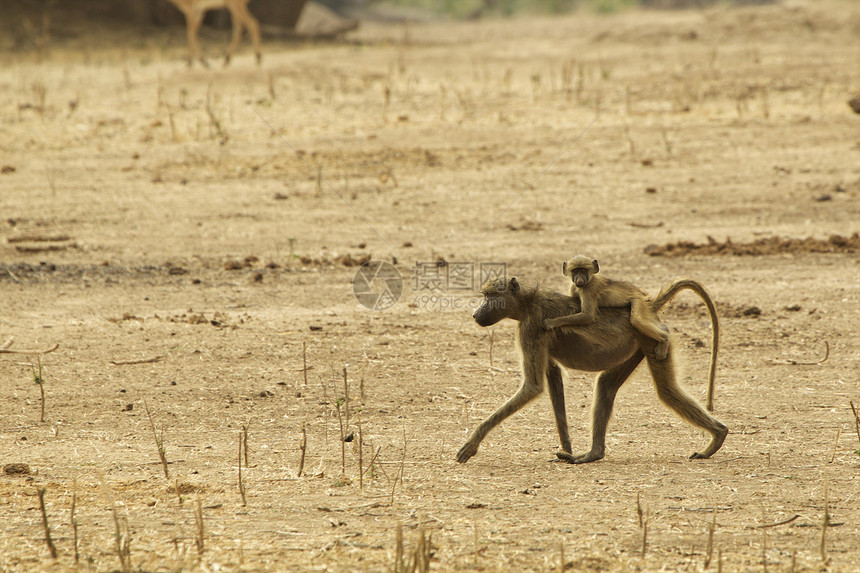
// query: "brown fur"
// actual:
[[609, 344]]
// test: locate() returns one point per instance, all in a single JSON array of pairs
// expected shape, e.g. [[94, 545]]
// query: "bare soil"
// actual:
[[167, 228]]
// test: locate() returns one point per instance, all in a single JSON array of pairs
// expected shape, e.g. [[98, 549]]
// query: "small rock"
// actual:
[[752, 311], [16, 469]]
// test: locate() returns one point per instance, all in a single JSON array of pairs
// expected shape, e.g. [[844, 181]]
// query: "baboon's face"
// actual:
[[492, 310], [580, 269], [580, 276], [498, 301]]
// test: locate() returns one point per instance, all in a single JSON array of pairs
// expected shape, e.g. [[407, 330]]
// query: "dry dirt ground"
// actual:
[[159, 225]]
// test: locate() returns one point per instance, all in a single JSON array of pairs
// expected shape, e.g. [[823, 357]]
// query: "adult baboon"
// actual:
[[610, 345]]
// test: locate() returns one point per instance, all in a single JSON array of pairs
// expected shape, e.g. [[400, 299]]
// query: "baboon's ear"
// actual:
[[564, 268], [596, 266], [513, 285]]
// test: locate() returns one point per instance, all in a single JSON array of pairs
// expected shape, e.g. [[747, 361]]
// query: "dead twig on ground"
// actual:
[[792, 362], [140, 361], [778, 523], [4, 349]]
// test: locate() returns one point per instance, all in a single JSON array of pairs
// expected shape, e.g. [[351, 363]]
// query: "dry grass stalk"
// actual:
[[159, 441], [561, 557], [856, 422], [398, 550], [642, 513], [422, 553], [51, 548], [241, 483], [346, 394], [174, 136], [644, 538], [39, 380], [214, 122], [361, 381], [271, 79], [475, 542], [360, 457], [122, 535], [198, 520], [305, 361], [836, 443], [303, 447], [176, 489], [398, 476], [710, 552], [764, 550], [338, 402], [74, 519], [370, 465], [825, 523], [245, 442]]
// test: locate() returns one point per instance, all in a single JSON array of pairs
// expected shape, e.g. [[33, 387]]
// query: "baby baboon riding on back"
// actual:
[[595, 292]]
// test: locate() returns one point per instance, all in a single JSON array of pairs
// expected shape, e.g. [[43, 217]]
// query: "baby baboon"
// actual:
[[609, 344], [595, 292]]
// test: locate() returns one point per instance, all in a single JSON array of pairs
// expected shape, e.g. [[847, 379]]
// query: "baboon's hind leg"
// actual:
[[556, 397], [605, 389], [676, 398]]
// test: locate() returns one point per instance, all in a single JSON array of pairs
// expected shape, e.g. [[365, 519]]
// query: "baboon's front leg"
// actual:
[[556, 397], [605, 389], [534, 371]]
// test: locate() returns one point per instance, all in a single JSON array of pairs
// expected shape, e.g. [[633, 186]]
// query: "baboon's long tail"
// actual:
[[667, 294]]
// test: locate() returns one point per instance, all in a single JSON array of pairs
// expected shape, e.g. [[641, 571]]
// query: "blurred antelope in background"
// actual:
[[194, 11]]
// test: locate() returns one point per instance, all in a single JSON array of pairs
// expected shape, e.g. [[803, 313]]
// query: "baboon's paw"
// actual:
[[580, 459], [466, 452]]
